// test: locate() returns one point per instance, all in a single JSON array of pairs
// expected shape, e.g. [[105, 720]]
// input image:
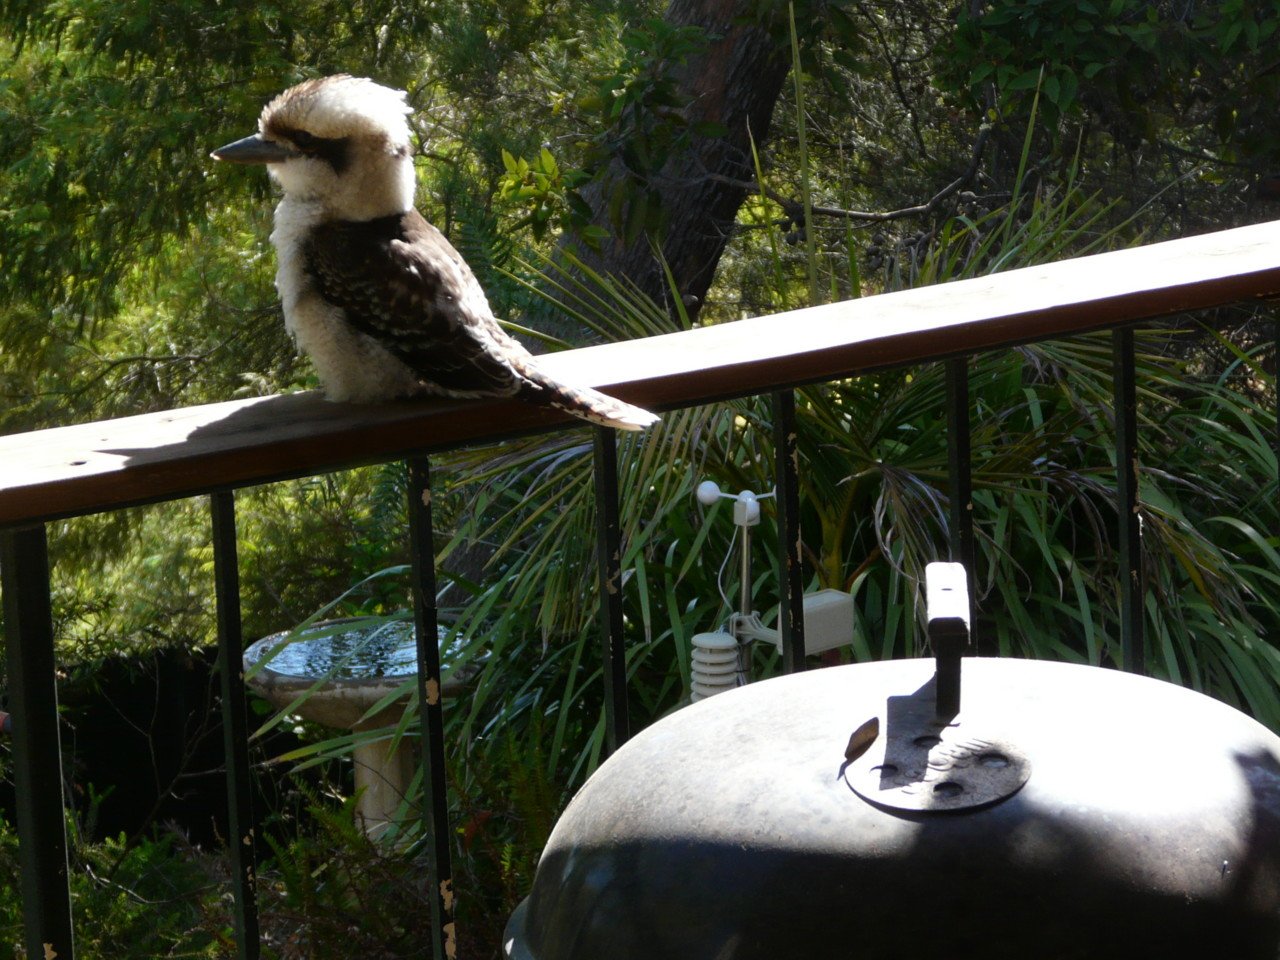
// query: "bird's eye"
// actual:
[[305, 141]]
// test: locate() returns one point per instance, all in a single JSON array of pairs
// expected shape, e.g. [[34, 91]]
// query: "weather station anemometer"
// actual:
[[720, 658]]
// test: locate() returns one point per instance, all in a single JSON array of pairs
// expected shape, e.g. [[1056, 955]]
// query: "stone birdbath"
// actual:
[[334, 673]]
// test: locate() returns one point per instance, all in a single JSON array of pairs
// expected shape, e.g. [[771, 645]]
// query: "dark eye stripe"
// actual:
[[332, 150]]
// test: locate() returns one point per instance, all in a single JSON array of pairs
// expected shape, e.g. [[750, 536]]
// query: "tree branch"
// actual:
[[795, 210]]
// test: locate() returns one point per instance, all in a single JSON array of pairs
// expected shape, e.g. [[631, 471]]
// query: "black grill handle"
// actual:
[[947, 609]]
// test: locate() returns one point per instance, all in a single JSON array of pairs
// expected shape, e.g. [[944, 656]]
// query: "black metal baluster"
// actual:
[[435, 798], [1275, 368], [960, 475], [787, 472], [37, 753], [1132, 646], [235, 733], [609, 560]]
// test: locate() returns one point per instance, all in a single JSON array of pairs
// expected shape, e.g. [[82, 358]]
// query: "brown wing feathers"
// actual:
[[390, 280], [400, 281]]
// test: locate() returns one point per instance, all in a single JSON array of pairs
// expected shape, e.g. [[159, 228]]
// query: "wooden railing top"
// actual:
[[110, 464]]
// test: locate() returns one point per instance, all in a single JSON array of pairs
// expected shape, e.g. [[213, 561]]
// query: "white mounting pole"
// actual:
[[746, 514]]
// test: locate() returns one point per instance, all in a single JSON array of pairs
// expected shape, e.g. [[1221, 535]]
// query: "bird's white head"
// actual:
[[340, 142]]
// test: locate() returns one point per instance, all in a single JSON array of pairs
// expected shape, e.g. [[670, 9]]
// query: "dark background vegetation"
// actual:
[[613, 169]]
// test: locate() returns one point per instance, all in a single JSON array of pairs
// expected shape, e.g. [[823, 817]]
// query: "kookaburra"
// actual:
[[373, 293]]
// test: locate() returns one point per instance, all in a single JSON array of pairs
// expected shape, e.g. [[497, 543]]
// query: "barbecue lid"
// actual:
[[1063, 811]]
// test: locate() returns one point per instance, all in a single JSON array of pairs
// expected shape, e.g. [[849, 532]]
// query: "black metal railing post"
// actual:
[[960, 475], [617, 722], [1124, 369], [1275, 370], [235, 732], [37, 752], [435, 799], [790, 546]]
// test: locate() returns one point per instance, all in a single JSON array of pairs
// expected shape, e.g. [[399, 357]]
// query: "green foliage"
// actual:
[[504, 806], [1128, 63], [330, 891], [547, 192], [639, 118], [830, 34], [153, 898], [642, 105], [144, 577]]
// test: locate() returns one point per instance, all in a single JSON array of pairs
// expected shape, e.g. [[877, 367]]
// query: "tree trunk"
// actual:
[[734, 83]]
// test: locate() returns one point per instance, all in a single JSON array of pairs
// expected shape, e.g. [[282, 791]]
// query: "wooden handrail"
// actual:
[[93, 467]]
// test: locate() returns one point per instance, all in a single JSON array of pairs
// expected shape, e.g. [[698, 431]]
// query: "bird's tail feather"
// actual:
[[586, 403]]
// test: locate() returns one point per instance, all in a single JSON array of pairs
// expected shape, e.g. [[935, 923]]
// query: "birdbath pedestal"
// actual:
[[344, 669]]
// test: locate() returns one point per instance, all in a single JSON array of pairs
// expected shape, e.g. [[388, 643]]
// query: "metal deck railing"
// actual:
[[215, 449]]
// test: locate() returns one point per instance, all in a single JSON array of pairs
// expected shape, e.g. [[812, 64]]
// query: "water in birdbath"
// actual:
[[349, 674], [361, 652]]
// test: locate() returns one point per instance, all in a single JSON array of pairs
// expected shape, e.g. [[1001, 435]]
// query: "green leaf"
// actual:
[[1052, 90], [1027, 80], [549, 165]]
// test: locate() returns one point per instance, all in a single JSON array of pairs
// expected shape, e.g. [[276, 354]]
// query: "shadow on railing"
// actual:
[[214, 449]]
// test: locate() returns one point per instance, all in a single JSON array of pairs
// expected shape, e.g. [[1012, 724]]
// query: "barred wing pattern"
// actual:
[[398, 280]]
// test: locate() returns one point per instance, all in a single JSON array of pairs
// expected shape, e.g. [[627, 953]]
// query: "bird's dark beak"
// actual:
[[253, 149]]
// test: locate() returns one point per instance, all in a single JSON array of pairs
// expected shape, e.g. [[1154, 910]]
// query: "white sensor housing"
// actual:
[[828, 621]]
